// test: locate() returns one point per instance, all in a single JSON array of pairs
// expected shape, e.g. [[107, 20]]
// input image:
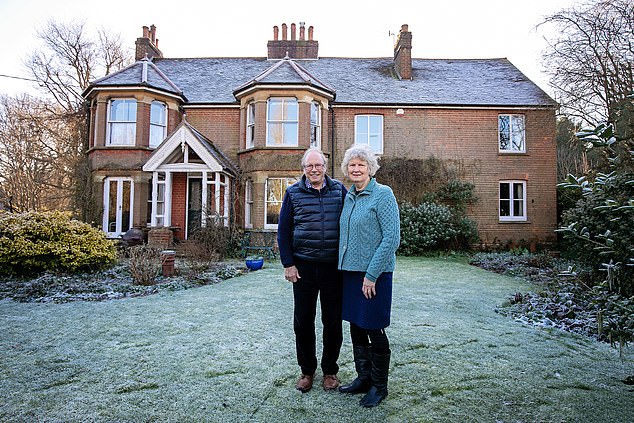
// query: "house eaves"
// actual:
[[141, 74], [285, 74]]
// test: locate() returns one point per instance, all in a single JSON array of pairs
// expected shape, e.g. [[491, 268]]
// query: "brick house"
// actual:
[[175, 142]]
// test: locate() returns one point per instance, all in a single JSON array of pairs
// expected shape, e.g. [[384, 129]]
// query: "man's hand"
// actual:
[[291, 274]]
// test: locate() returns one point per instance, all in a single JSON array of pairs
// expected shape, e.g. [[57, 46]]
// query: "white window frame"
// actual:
[[289, 125], [250, 132], [158, 128], [130, 125], [278, 199], [516, 129], [219, 184], [315, 124], [159, 197], [512, 202], [363, 133], [248, 204], [119, 229]]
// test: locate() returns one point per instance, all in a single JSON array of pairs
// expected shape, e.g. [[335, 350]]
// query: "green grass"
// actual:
[[225, 352]]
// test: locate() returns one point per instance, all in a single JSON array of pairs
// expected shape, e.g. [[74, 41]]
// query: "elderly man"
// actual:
[[308, 241]]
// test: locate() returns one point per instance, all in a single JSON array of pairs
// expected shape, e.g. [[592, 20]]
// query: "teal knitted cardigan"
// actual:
[[369, 231]]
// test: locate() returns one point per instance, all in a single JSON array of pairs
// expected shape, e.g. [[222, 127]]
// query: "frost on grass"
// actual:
[[109, 284], [562, 299]]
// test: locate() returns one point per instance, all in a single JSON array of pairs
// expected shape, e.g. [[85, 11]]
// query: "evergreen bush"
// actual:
[[33, 242], [430, 227]]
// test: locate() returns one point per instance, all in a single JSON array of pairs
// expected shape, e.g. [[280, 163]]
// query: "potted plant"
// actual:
[[254, 262]]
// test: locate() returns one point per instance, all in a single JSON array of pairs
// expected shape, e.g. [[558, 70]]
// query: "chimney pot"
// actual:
[[294, 48], [276, 32], [147, 45], [403, 53]]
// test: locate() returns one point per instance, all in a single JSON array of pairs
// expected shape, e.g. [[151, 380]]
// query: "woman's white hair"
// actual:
[[360, 152]]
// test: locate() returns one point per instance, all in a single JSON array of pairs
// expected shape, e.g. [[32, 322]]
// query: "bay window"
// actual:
[[282, 122], [122, 122]]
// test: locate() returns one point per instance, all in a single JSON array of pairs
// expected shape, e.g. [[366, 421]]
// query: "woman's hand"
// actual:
[[368, 288]]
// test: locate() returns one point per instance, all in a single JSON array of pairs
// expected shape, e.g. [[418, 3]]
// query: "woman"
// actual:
[[369, 237]]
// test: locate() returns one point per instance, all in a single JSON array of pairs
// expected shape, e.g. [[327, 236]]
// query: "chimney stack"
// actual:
[[147, 45], [403, 54], [296, 48]]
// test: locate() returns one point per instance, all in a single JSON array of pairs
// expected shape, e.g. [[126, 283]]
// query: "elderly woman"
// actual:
[[368, 239]]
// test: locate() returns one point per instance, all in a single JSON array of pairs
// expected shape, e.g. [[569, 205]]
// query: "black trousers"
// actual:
[[323, 280]]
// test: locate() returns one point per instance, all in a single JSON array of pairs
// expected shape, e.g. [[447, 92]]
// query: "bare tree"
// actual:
[[590, 62], [68, 61], [32, 173]]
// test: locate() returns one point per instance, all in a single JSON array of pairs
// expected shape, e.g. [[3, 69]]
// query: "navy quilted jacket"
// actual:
[[308, 227]]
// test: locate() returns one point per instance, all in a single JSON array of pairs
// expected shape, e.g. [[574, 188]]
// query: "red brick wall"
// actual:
[[468, 139], [220, 126], [179, 203]]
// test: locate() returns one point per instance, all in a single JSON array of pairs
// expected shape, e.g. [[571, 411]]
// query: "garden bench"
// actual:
[[258, 242]]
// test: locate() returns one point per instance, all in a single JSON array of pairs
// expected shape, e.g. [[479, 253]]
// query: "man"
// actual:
[[308, 241]]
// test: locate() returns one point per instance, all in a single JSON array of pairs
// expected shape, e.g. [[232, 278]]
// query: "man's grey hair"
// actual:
[[360, 152], [314, 150]]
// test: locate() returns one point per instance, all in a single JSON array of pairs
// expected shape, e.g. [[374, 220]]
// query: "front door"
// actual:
[[118, 195], [194, 204]]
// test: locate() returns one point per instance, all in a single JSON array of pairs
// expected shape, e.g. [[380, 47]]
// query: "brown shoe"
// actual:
[[305, 383], [331, 382]]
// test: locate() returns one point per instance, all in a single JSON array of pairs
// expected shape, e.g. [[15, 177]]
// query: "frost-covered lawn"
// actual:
[[225, 352]]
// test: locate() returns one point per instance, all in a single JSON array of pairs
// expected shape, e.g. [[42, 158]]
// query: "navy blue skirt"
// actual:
[[367, 314]]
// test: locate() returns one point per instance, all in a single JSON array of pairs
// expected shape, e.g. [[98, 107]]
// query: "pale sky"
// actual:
[[444, 29]]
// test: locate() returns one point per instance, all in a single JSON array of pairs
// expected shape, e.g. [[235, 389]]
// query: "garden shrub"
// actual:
[[214, 242], [599, 229], [430, 227], [145, 264], [33, 242]]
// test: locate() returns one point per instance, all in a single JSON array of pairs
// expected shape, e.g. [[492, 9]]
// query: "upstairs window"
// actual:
[[282, 122], [511, 134], [250, 139], [513, 201], [368, 129], [122, 122], [315, 125], [158, 123]]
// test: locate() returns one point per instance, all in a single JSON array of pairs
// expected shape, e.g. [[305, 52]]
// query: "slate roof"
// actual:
[[285, 71], [370, 81]]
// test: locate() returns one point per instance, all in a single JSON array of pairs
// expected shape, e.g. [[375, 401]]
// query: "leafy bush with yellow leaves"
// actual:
[[33, 242]]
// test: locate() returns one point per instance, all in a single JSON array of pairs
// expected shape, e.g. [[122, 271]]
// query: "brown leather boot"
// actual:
[[305, 383]]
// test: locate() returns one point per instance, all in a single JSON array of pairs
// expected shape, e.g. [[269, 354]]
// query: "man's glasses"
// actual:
[[314, 166]]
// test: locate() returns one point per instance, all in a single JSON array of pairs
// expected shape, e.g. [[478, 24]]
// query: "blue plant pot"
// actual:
[[254, 264]]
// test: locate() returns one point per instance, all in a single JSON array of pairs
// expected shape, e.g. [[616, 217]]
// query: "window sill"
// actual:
[[121, 147], [505, 222], [270, 148], [512, 153]]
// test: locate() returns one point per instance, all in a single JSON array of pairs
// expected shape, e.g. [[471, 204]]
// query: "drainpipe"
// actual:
[[332, 142]]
